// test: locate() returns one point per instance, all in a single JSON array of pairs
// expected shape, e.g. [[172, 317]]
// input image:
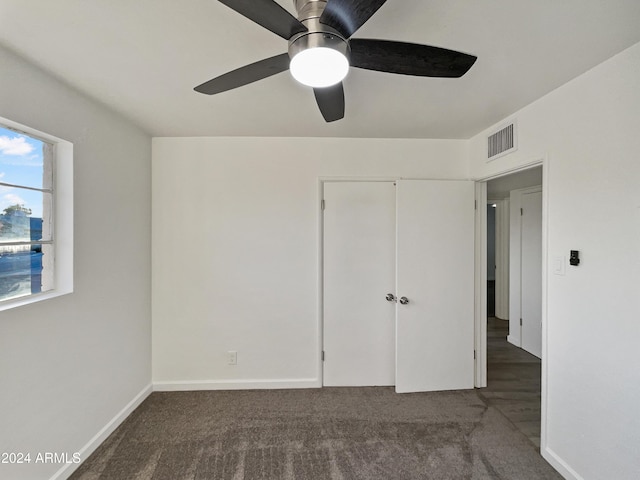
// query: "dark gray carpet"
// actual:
[[328, 433]]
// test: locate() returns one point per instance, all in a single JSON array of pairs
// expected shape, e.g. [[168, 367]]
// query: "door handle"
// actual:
[[390, 297], [404, 300]]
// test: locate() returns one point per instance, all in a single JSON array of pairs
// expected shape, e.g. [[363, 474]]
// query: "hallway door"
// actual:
[[531, 273]]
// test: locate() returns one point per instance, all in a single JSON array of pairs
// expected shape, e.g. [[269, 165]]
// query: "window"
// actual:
[[32, 264]]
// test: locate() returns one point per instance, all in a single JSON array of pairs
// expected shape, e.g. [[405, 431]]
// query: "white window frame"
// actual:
[[62, 192]]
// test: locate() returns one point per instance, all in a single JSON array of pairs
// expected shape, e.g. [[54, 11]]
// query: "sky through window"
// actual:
[[21, 163]]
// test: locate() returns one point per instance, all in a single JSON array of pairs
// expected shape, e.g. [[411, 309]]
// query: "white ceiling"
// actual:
[[143, 58]]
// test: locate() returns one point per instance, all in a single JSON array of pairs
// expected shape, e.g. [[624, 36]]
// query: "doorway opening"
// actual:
[[514, 299]]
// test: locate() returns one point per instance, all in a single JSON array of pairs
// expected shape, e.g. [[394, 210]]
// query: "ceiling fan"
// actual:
[[321, 50]]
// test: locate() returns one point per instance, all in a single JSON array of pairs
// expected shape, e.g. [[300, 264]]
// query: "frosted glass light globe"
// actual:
[[319, 67]]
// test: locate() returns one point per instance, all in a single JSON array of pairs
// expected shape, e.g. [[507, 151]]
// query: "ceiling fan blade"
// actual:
[[245, 75], [268, 14], [409, 58], [347, 16], [331, 102]]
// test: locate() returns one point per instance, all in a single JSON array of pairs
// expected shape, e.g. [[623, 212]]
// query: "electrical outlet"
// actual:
[[232, 357]]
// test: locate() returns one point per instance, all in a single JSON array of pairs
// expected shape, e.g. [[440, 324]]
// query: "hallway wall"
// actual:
[[587, 133]]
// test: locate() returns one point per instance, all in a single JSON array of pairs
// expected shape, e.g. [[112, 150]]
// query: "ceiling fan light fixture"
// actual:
[[319, 59], [319, 67]]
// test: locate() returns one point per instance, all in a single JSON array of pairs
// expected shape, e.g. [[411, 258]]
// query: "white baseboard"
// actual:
[[235, 385], [560, 465], [513, 341], [66, 471]]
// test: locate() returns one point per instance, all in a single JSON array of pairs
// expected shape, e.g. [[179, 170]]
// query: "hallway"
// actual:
[[513, 381]]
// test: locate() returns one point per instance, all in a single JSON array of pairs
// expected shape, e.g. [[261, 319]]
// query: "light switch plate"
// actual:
[[559, 265]]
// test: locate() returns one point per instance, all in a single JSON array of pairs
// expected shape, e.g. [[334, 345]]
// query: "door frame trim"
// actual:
[[481, 285], [480, 316]]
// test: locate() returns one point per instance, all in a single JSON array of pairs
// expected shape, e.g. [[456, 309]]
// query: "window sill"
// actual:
[[34, 298]]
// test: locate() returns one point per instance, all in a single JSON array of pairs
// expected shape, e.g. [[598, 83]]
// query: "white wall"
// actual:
[[69, 365], [235, 252], [589, 131]]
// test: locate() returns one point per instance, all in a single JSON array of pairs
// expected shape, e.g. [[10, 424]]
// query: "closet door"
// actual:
[[435, 274], [359, 271]]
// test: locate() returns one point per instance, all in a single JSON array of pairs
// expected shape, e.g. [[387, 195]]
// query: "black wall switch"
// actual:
[[574, 258]]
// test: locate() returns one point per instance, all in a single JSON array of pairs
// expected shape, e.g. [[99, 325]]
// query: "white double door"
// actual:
[[411, 239]]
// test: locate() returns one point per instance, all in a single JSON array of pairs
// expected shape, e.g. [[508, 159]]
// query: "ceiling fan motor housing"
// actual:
[[318, 34]]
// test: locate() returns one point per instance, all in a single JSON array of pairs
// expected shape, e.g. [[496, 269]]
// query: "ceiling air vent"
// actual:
[[502, 142]]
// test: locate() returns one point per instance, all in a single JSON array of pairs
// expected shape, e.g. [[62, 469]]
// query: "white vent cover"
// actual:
[[502, 142]]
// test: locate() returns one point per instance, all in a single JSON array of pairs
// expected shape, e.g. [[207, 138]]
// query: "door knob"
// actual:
[[404, 300], [390, 297]]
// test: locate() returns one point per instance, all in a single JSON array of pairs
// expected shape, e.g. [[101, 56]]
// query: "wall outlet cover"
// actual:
[[232, 357]]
